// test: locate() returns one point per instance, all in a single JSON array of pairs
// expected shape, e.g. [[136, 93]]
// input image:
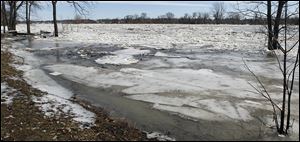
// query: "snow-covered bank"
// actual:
[[57, 99]]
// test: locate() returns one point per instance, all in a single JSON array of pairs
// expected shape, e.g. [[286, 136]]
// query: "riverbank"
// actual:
[[22, 119]]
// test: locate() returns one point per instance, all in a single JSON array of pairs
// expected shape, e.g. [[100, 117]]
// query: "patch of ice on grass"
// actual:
[[7, 93], [4, 87], [58, 97], [52, 104], [159, 136]]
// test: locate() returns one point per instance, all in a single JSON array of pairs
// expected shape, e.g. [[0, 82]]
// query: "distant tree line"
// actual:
[[187, 19], [169, 18]]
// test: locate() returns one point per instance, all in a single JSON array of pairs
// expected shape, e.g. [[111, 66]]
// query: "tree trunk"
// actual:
[[269, 21], [14, 18], [11, 10], [4, 16], [54, 18], [275, 45], [27, 17], [276, 24]]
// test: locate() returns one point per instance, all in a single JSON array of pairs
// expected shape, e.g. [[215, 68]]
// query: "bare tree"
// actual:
[[195, 15], [143, 15], [77, 18], [29, 6], [273, 16], [269, 21], [135, 16], [78, 9], [276, 25], [218, 11], [288, 67], [3, 16], [234, 18], [205, 17], [186, 16], [170, 15], [11, 18], [27, 17], [54, 18]]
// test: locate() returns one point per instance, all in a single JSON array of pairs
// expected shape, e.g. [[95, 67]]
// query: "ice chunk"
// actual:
[[55, 73], [122, 57], [117, 60]]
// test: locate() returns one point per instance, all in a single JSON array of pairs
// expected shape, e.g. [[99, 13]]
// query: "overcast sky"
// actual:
[[119, 9]]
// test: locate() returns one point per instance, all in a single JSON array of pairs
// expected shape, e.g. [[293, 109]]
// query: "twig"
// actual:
[[267, 97]]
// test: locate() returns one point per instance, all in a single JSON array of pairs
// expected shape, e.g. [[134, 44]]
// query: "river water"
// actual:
[[142, 113]]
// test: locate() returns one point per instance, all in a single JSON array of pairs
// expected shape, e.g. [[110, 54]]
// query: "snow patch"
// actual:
[[159, 136], [7, 93]]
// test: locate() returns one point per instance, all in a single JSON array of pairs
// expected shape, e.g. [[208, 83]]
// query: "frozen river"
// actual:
[[189, 91]]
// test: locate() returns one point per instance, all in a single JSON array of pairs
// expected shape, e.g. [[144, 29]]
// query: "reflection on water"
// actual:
[[30, 39], [57, 53]]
